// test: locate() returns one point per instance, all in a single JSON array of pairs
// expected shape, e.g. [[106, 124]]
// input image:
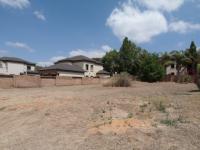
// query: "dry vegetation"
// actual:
[[159, 116], [119, 80]]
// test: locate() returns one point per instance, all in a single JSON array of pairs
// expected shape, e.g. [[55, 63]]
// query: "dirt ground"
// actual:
[[159, 116]]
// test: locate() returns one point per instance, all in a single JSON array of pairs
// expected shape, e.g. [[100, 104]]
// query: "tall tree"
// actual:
[[192, 57], [151, 70], [111, 61], [128, 57]]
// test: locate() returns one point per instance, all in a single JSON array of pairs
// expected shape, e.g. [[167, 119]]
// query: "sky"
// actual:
[[46, 31]]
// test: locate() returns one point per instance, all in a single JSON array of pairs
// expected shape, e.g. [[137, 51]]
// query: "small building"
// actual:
[[103, 74], [172, 70], [62, 69], [15, 66]]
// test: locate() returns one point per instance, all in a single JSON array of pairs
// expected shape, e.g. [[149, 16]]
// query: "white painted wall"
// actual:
[[9, 68], [170, 70], [71, 74], [89, 72]]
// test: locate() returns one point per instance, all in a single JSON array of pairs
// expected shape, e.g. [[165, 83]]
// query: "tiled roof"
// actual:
[[64, 67], [78, 59], [14, 59]]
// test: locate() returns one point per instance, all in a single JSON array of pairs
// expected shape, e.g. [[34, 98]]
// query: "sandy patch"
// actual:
[[118, 126]]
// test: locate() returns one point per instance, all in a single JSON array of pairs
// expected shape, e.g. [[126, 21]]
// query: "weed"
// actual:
[[169, 122], [142, 107], [2, 108], [161, 107], [130, 115]]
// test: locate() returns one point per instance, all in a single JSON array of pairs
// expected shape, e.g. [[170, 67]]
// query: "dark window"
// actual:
[[87, 67], [1, 65], [172, 66], [28, 67], [92, 68]]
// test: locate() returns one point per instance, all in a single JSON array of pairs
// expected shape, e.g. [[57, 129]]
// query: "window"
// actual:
[[172, 66], [28, 67], [87, 67], [1, 65], [92, 68]]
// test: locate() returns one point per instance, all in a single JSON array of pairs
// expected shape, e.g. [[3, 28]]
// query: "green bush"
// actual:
[[198, 70], [151, 70], [198, 76], [119, 80], [198, 83]]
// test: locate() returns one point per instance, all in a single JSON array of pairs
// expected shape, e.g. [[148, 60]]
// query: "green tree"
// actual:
[[151, 70], [111, 61], [129, 57], [192, 58]]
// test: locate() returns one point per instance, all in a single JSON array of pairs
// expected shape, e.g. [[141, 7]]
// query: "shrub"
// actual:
[[120, 80], [198, 83], [160, 106], [198, 76], [184, 79]]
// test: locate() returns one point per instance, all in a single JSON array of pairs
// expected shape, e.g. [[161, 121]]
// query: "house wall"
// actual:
[[89, 72], [170, 70], [14, 68], [71, 74]]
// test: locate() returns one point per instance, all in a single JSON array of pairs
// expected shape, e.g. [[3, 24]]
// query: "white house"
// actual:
[[77, 66], [171, 69], [15, 66]]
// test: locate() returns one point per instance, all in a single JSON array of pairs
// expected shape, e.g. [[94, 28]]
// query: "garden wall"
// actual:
[[6, 82], [27, 81], [36, 81]]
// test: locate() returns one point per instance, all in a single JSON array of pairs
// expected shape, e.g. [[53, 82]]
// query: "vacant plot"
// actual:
[[160, 116]]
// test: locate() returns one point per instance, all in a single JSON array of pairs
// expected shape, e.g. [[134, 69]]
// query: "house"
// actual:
[[77, 66], [62, 69], [172, 70], [15, 66]]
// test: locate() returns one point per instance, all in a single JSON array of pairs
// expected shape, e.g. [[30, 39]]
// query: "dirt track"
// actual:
[[160, 116]]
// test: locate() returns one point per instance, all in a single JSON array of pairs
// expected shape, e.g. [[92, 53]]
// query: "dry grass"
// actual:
[[119, 80], [146, 116]]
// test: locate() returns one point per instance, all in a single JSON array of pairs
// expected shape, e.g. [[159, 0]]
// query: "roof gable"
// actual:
[[64, 67], [17, 60], [79, 58]]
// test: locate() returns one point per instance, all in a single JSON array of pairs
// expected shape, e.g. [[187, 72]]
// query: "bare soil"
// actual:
[[159, 116]]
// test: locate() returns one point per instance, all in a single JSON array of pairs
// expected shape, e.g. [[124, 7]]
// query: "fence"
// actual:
[[181, 78], [25, 81]]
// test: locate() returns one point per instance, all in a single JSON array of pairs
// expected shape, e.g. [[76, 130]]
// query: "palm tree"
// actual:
[[180, 59]]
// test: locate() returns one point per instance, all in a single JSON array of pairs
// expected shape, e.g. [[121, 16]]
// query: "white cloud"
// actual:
[[92, 53], [139, 26], [20, 46], [51, 61], [56, 58], [143, 20], [20, 4], [39, 15], [183, 27], [164, 5]]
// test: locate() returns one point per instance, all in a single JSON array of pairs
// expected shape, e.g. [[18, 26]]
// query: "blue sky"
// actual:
[[45, 31]]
